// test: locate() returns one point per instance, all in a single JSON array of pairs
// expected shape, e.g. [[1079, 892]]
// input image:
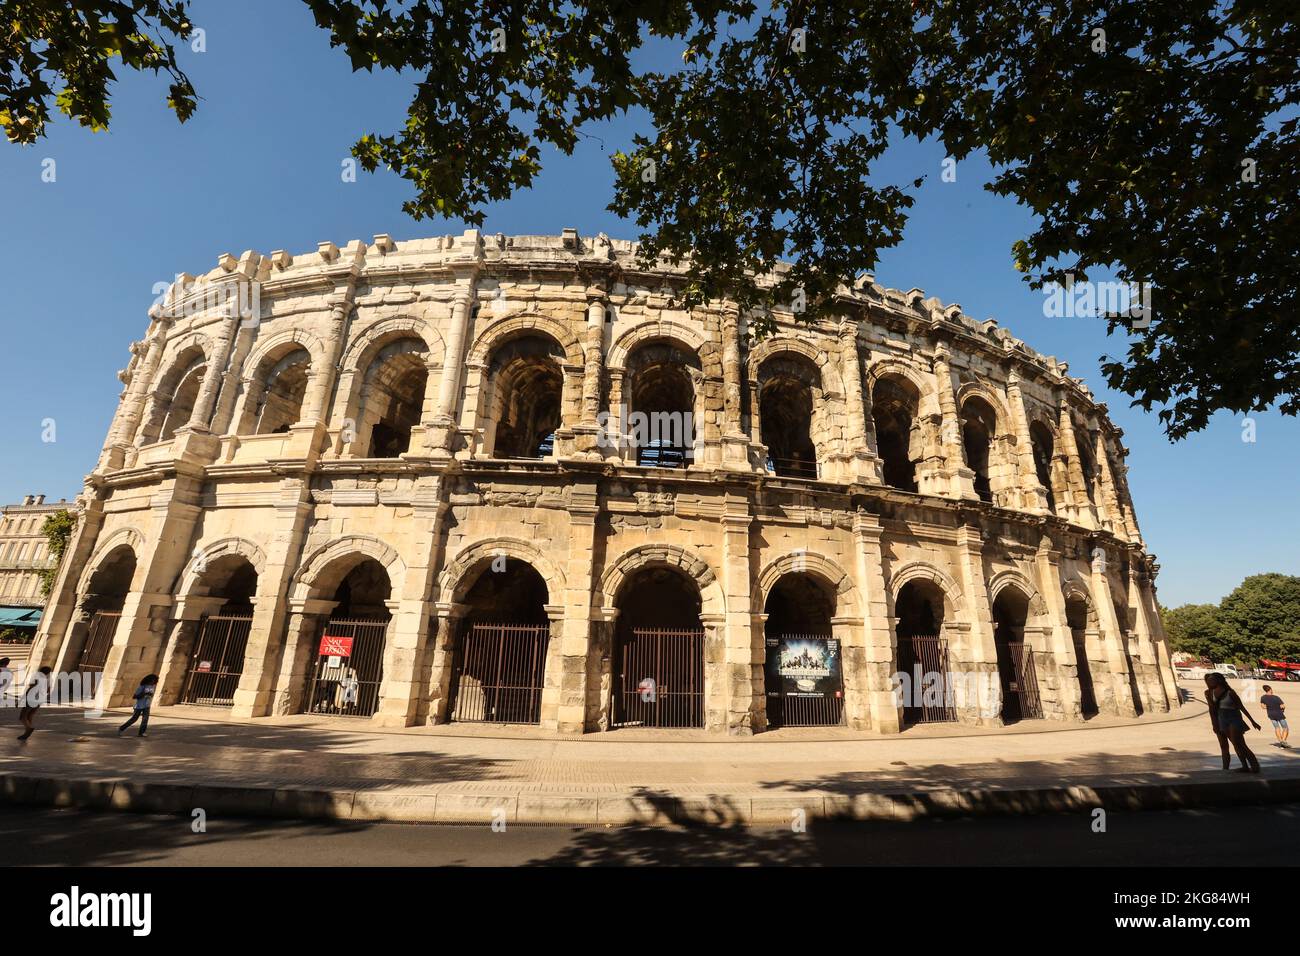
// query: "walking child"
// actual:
[[1275, 708], [143, 701]]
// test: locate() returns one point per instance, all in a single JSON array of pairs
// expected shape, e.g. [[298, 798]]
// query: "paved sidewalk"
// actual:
[[298, 766]]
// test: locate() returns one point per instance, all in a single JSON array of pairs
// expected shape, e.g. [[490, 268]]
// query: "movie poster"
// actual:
[[805, 666]]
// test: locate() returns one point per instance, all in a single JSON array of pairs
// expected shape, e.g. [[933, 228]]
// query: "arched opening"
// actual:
[[499, 662], [181, 407], [924, 687], [348, 664], [1016, 670], [1079, 618], [527, 389], [105, 594], [393, 397], [216, 660], [1087, 464], [280, 387], [979, 424], [789, 389], [658, 651], [895, 403], [661, 404], [1040, 439], [804, 665]]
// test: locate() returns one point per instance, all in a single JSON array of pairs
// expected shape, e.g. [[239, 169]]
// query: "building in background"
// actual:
[[24, 554]]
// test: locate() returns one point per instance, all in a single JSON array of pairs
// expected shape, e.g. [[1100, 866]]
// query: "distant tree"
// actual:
[[1196, 629], [1262, 616], [57, 529]]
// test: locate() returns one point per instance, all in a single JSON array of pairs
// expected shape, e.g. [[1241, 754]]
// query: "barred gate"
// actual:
[[820, 704], [99, 638], [659, 678], [499, 673], [1025, 685], [931, 654], [346, 684], [217, 661]]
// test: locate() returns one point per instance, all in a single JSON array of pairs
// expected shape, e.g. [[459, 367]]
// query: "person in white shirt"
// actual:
[[6, 680]]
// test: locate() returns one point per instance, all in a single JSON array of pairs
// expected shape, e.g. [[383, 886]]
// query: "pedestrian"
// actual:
[[6, 680], [1226, 713], [37, 693], [143, 701], [1275, 708]]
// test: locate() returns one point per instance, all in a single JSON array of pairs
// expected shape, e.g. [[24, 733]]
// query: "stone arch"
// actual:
[[221, 548], [1013, 578], [367, 343], [530, 323], [782, 344], [954, 602], [280, 343], [819, 566], [994, 400], [459, 575], [698, 570], [189, 358], [311, 578], [901, 368], [643, 333], [130, 537]]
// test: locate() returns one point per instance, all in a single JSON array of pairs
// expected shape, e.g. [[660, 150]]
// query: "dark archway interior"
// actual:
[[799, 604], [231, 577], [1010, 612], [785, 408], [894, 407], [658, 665], [1076, 614], [395, 391], [528, 390], [507, 591], [364, 591], [183, 400], [1086, 462], [978, 427], [659, 597], [919, 610], [661, 404], [111, 581], [286, 387], [922, 651], [1044, 447]]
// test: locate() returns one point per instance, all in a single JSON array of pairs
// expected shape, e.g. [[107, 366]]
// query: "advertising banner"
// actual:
[[805, 666]]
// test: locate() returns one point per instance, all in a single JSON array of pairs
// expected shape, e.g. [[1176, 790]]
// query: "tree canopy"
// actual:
[[1155, 139], [1261, 618]]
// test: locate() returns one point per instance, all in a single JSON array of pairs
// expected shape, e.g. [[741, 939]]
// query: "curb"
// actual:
[[642, 808]]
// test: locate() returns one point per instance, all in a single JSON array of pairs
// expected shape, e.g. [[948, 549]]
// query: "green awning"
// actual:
[[20, 616]]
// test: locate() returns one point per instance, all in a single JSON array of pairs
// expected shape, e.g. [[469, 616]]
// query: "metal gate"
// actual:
[[349, 667], [1025, 685], [660, 678], [1087, 695], [99, 638], [499, 673], [920, 658], [808, 693], [217, 661]]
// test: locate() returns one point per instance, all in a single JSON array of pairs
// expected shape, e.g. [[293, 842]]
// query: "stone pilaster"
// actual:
[[1079, 506], [1047, 565], [587, 431], [869, 699], [1033, 495], [1148, 671], [864, 463], [975, 654], [1112, 635], [745, 650], [444, 419], [958, 479], [575, 632], [305, 617], [315, 405]]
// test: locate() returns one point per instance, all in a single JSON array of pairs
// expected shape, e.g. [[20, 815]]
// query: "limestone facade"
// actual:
[[419, 432]]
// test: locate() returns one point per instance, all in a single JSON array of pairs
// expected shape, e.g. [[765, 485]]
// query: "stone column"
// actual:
[[1033, 495], [960, 479], [1047, 564], [214, 375], [735, 443], [980, 650], [615, 442], [1112, 636], [572, 699], [300, 634], [745, 651], [869, 699], [442, 650], [1079, 507], [1149, 682], [255, 695], [587, 429], [1112, 519], [229, 390], [444, 419], [864, 463], [321, 381]]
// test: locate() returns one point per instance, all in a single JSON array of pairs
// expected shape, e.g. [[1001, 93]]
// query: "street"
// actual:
[[1244, 836]]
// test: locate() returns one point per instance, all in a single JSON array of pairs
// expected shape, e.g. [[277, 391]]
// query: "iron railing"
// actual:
[[791, 467], [931, 654], [817, 706], [347, 685], [499, 673], [99, 638], [659, 678], [1022, 693], [218, 660]]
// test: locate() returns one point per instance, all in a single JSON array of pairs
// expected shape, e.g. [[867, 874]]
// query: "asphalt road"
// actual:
[[1232, 837]]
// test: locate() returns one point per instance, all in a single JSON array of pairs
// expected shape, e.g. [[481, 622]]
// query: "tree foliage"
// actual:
[[57, 529], [1153, 138], [1261, 618], [44, 43]]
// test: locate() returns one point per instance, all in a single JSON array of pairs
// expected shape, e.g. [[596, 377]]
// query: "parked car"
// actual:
[[1287, 669]]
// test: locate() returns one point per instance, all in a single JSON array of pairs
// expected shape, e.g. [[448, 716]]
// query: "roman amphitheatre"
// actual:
[[409, 483]]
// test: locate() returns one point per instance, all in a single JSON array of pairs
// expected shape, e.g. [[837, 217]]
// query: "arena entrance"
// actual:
[[804, 676], [217, 660], [923, 663], [499, 663], [106, 594], [1015, 658], [349, 666], [658, 652]]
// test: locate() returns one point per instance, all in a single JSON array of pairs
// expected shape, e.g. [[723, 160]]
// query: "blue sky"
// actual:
[[259, 168]]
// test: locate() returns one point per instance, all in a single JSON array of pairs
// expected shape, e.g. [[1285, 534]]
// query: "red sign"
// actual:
[[334, 646]]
